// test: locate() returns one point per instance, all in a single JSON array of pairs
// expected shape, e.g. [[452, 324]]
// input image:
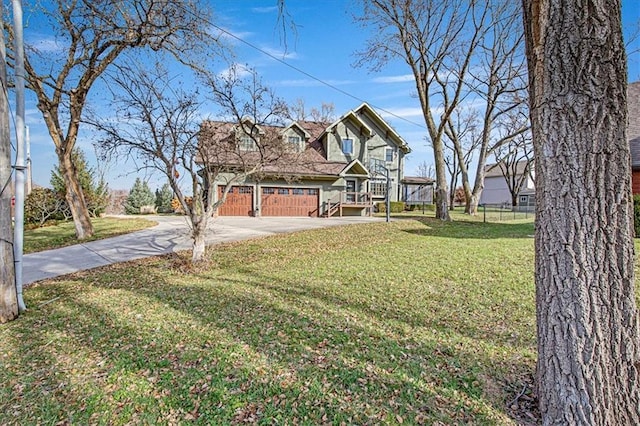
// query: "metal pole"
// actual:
[[388, 200], [29, 169], [19, 166]]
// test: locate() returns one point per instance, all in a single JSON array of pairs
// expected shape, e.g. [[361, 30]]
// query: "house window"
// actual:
[[268, 191], [298, 191], [312, 191], [294, 143], [347, 146], [378, 188], [247, 144], [283, 191], [388, 155], [524, 200], [244, 190]]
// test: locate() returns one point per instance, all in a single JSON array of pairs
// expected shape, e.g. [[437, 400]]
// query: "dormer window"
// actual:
[[347, 146], [247, 143], [294, 143]]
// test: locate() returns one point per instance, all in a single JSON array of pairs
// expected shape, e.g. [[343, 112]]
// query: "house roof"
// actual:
[[492, 170], [311, 162], [633, 126], [417, 180]]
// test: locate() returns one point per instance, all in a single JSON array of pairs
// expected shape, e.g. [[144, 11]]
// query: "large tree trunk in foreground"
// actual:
[[587, 322]]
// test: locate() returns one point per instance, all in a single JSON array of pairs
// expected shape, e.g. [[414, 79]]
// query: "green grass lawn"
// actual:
[[414, 322], [64, 234]]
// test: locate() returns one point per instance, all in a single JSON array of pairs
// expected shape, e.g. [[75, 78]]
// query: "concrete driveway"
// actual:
[[170, 235]]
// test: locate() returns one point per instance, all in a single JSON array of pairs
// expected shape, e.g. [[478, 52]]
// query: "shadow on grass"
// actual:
[[233, 351], [471, 230]]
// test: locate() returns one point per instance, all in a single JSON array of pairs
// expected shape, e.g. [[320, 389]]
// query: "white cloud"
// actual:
[[280, 54], [394, 79], [235, 70], [403, 112], [45, 44]]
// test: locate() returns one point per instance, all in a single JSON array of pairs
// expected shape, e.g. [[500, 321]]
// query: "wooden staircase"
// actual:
[[349, 200]]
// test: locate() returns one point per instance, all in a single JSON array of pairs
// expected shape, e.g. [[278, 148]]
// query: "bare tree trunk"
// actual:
[[199, 234], [8, 295], [588, 337], [441, 193], [75, 196]]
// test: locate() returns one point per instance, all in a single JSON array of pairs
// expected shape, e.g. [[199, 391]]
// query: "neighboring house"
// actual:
[[496, 190], [417, 190], [633, 132], [341, 168]]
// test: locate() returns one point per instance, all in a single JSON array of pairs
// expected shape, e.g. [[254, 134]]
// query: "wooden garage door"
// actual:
[[289, 201], [239, 201]]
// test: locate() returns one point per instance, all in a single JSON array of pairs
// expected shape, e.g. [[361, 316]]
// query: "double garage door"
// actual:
[[274, 201]]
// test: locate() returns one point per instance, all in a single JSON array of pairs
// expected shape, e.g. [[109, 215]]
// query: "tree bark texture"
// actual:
[[8, 295], [74, 195], [586, 312], [199, 233]]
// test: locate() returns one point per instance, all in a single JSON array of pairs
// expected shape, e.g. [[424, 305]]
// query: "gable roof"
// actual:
[[355, 168], [633, 123], [366, 108], [493, 170]]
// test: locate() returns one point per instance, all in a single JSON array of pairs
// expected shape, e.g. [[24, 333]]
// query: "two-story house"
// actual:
[[342, 168]]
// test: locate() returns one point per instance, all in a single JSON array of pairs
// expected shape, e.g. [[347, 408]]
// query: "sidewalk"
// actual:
[[170, 235]]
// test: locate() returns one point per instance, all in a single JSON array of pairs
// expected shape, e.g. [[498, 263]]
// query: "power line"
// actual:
[[305, 73]]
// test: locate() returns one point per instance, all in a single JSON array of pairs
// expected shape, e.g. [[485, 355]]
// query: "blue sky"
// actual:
[[323, 46]]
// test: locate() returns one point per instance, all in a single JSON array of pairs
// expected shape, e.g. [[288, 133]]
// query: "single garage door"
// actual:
[[289, 201], [239, 201]]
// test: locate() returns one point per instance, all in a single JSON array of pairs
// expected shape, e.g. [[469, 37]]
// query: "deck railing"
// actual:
[[349, 200]]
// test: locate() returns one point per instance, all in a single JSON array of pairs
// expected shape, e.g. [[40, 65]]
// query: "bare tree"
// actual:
[[159, 123], [437, 39], [515, 161], [425, 170], [461, 142], [298, 112], [8, 291], [588, 335], [93, 35]]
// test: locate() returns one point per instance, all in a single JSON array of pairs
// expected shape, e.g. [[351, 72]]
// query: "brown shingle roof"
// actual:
[[311, 162]]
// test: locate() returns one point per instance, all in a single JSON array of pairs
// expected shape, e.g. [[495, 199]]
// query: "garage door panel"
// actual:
[[278, 201], [239, 201]]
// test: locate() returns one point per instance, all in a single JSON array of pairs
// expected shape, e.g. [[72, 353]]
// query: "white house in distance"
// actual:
[[496, 188]]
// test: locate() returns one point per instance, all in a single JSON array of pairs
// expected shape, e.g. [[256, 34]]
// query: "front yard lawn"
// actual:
[[63, 234], [414, 322]]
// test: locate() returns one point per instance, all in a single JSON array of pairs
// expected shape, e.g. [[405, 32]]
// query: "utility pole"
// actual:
[[29, 168], [20, 167], [8, 295]]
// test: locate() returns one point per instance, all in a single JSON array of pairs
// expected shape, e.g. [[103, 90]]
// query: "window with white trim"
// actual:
[[388, 155], [294, 143], [347, 146], [378, 187], [247, 143]]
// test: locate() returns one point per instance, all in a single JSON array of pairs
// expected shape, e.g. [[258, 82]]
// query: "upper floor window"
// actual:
[[388, 155], [294, 143], [247, 143], [347, 146]]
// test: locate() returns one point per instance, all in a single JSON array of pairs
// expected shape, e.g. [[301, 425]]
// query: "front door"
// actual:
[[351, 189]]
